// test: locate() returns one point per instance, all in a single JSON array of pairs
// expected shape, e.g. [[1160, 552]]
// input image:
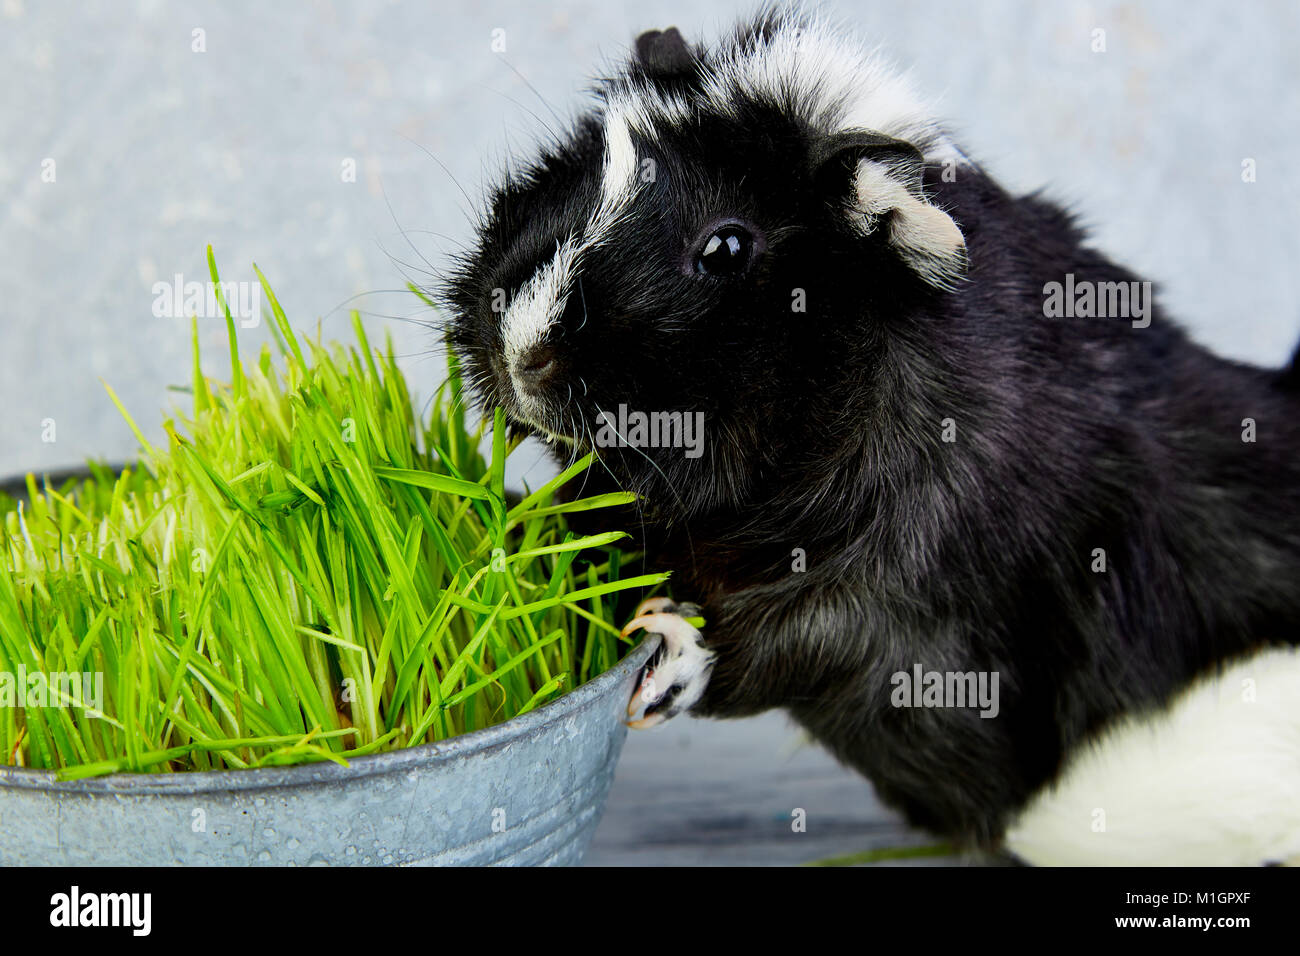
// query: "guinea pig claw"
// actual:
[[658, 605], [655, 605], [643, 689], [636, 623], [677, 676], [645, 723]]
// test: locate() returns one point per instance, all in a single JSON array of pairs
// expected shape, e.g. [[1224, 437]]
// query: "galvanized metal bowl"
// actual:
[[526, 792]]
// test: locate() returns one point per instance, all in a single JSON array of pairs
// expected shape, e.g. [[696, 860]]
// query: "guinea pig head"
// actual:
[[721, 237]]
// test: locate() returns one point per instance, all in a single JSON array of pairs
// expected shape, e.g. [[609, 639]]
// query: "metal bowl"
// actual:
[[526, 792], [529, 791]]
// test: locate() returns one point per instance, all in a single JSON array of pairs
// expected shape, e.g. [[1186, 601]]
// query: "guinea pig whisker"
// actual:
[[583, 296], [445, 169], [637, 504], [668, 484], [433, 270], [360, 295], [541, 99], [586, 474], [545, 125], [403, 266]]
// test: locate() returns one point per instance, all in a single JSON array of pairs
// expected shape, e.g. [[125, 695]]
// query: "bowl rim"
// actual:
[[326, 771]]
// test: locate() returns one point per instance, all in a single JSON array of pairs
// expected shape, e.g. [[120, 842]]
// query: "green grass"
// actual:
[[305, 571]]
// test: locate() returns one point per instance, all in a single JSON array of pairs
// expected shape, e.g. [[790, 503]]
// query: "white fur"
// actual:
[[539, 304], [645, 110], [924, 235], [541, 301], [685, 663], [816, 71], [1213, 780], [826, 76], [618, 183]]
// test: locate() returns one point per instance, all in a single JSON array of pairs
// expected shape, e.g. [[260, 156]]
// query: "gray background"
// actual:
[[160, 150]]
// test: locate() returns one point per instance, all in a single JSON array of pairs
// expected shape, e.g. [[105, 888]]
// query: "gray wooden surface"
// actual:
[[723, 793]]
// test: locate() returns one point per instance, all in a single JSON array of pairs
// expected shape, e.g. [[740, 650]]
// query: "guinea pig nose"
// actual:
[[535, 366]]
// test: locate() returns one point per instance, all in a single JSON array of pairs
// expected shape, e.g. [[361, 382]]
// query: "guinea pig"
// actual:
[[962, 500]]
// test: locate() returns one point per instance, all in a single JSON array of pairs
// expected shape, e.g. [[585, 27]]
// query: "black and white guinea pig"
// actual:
[[917, 476]]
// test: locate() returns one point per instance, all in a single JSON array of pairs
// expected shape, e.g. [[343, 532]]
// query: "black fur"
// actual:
[[823, 433]]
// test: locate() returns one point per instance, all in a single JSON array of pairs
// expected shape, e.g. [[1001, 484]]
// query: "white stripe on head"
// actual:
[[540, 303], [618, 181]]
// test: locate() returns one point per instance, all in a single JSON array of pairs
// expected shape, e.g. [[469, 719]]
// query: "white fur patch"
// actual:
[[646, 110], [924, 235], [541, 301], [1214, 780], [539, 304], [683, 668], [813, 70], [618, 183], [823, 74]]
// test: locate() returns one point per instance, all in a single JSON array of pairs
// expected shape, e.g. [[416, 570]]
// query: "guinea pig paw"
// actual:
[[677, 675]]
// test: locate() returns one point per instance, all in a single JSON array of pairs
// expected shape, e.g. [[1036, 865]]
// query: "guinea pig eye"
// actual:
[[726, 252]]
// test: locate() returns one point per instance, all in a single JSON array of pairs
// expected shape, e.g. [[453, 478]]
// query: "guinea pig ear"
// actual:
[[665, 53], [879, 181]]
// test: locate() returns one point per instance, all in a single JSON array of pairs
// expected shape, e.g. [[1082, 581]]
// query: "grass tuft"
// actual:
[[306, 571]]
